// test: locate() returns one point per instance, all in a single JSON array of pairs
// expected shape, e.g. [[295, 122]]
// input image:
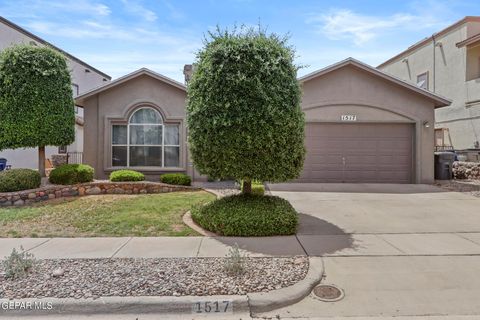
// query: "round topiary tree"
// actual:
[[36, 102], [244, 115]]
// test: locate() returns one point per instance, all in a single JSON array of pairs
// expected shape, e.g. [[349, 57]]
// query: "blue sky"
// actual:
[[121, 36]]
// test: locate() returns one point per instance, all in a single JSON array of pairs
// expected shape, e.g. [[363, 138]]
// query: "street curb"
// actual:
[[123, 305], [268, 301]]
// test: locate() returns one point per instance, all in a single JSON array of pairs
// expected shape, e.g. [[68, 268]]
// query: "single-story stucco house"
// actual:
[[363, 125]]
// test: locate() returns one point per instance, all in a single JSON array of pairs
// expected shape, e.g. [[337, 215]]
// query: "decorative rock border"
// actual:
[[91, 188], [466, 170]]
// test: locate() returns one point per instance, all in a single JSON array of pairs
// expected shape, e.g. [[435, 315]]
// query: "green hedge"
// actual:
[[248, 215], [126, 175], [176, 178], [19, 179], [71, 174]]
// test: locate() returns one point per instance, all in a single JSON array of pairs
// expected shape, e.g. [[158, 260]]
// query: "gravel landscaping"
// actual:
[[470, 187], [94, 278]]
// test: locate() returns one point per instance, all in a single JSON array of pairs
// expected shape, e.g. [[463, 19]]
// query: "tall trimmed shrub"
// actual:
[[244, 115], [36, 103]]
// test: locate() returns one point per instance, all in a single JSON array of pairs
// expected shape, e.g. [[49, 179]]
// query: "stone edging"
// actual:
[[252, 302], [24, 197], [187, 219]]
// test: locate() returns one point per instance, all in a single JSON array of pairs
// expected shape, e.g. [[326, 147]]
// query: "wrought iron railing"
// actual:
[[443, 148], [75, 157]]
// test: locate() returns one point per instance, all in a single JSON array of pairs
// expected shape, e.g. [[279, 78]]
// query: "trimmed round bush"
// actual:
[[71, 174], [247, 215], [180, 179], [126, 175], [19, 179]]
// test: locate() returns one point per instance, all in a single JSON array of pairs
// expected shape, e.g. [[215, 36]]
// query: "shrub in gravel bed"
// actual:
[[18, 263], [126, 175], [247, 216], [71, 174], [94, 278], [19, 179], [180, 179]]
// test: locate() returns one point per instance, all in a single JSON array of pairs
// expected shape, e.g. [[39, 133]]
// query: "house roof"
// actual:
[[79, 100], [427, 40], [469, 41], [439, 100], [44, 42]]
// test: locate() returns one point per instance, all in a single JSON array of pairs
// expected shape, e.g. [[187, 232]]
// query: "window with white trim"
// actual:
[[146, 141]]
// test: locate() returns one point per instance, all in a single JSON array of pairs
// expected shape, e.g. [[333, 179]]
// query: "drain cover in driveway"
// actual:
[[327, 292]]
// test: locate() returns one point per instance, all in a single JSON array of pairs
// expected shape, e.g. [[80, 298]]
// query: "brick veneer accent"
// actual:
[[24, 197]]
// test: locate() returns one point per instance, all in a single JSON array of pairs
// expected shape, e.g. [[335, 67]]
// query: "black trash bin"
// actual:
[[444, 165]]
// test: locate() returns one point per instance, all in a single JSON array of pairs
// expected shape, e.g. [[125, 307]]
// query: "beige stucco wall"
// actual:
[[115, 105], [352, 91], [462, 120]]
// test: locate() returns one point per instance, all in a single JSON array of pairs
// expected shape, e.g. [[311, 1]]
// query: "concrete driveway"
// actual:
[[396, 250], [381, 208]]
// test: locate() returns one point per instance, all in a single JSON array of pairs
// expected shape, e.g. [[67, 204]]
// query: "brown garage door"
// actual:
[[358, 153]]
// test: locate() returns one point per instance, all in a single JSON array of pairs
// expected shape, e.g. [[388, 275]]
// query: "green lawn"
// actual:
[[104, 215]]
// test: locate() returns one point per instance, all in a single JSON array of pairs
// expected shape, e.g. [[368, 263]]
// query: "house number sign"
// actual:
[[348, 117], [216, 306]]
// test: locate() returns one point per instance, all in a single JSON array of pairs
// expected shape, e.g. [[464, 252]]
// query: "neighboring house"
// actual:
[[363, 125], [448, 63], [84, 77]]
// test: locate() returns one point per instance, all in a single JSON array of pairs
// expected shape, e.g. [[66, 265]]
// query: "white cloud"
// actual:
[[78, 6], [346, 24], [91, 29], [136, 8], [37, 8]]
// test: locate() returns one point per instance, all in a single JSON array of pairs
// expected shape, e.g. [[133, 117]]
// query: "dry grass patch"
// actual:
[[105, 215]]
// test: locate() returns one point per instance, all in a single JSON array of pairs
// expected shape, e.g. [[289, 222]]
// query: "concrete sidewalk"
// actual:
[[344, 245]]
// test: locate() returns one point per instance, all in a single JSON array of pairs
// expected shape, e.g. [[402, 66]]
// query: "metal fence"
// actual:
[[443, 148], [75, 157]]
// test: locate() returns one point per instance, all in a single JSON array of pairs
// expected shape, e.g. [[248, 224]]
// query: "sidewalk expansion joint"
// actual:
[[40, 244], [121, 247], [388, 242], [301, 245], [199, 246], [472, 241]]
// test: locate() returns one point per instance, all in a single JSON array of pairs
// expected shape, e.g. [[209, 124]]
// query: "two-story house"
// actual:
[[84, 78], [448, 63]]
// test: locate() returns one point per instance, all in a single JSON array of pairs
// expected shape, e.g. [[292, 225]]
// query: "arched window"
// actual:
[[146, 141]]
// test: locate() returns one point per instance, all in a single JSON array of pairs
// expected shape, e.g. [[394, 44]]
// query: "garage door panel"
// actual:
[[358, 153]]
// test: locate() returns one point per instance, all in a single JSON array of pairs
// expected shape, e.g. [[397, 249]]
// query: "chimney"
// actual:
[[188, 71]]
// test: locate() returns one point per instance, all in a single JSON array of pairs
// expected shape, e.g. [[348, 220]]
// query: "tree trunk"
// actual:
[[41, 161], [247, 186]]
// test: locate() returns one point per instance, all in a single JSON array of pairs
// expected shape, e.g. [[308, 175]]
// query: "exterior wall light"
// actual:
[[426, 124]]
